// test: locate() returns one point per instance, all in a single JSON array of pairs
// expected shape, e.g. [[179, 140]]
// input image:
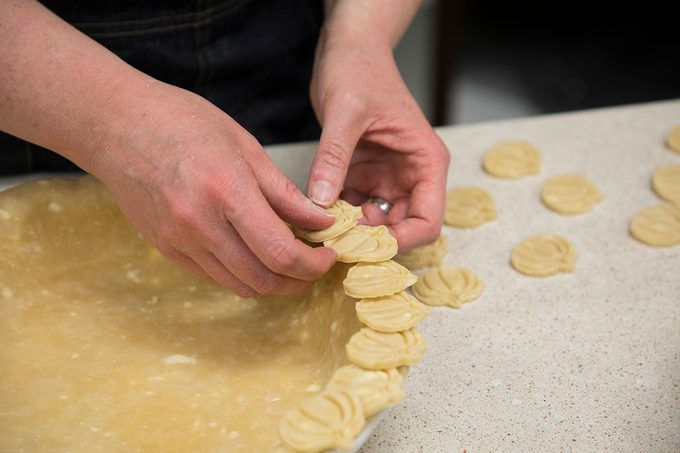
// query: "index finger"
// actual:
[[272, 241]]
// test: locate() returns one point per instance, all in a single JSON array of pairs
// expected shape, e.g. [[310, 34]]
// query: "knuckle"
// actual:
[[289, 191], [267, 283], [281, 258], [334, 155]]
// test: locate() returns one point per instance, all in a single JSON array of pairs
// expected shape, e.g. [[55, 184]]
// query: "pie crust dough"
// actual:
[[331, 419], [108, 346], [346, 217], [364, 244], [448, 285], [657, 225], [375, 350], [393, 313], [377, 279], [112, 346], [512, 159], [570, 194], [541, 256], [666, 183], [673, 139], [469, 207], [376, 389], [425, 255]]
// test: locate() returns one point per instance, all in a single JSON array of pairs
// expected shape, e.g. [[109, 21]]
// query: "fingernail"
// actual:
[[321, 192]]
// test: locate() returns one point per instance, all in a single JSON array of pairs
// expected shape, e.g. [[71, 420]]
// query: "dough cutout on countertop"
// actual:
[[364, 244], [469, 207], [425, 255], [346, 217], [448, 285], [570, 194], [666, 183], [376, 389], [673, 139], [377, 279], [393, 313], [375, 350], [512, 159], [544, 255], [657, 225]]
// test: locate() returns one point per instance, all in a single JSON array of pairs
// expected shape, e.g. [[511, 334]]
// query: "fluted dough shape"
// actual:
[[570, 194], [541, 256], [364, 244], [376, 389], [512, 159], [393, 313], [657, 225], [377, 279], [468, 207], [424, 256], [346, 217], [375, 350], [673, 139], [448, 285], [666, 183], [330, 419]]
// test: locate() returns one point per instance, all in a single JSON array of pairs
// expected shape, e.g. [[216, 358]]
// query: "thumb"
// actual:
[[340, 135]]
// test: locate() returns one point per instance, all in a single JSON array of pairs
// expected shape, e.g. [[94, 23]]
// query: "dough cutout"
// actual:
[[377, 279], [673, 139], [393, 313], [375, 350], [346, 217], [657, 225], [512, 159], [541, 256], [376, 389], [364, 244], [425, 255], [448, 285], [331, 419], [570, 194], [666, 183], [469, 207]]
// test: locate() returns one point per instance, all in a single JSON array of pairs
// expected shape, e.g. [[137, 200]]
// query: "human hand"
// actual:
[[376, 142], [203, 190]]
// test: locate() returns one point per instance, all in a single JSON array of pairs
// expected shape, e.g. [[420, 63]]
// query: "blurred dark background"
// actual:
[[480, 60]]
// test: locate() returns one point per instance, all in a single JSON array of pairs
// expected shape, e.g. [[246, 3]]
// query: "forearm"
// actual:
[[378, 23], [58, 88]]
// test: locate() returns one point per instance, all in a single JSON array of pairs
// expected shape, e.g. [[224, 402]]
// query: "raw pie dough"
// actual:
[[108, 346], [673, 139], [346, 217], [376, 389], [424, 256], [377, 279], [657, 225], [393, 313], [468, 207], [570, 194], [375, 350], [512, 159], [389, 341], [541, 256], [331, 419], [365, 244], [666, 183], [448, 285]]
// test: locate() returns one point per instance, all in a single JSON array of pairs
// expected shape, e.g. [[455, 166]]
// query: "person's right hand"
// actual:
[[203, 190]]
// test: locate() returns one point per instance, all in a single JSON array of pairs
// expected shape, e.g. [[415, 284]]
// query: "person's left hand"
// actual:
[[376, 142]]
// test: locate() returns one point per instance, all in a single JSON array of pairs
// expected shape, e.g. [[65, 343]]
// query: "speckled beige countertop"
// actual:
[[580, 362]]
